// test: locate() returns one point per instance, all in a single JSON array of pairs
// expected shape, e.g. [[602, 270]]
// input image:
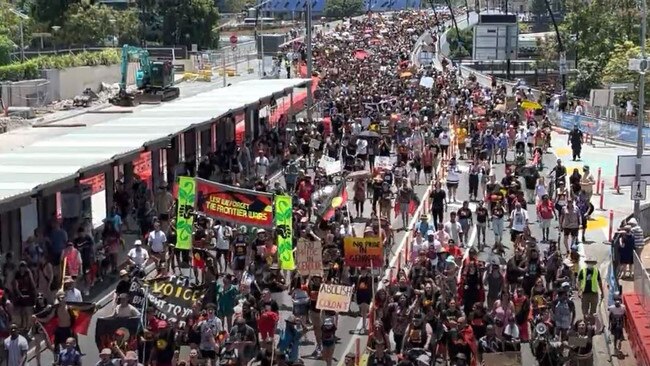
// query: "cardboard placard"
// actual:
[[314, 144], [309, 257], [363, 252], [334, 298], [383, 162], [330, 165]]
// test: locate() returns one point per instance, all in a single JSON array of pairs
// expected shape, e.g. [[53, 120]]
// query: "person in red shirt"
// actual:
[[545, 213], [454, 250], [305, 190]]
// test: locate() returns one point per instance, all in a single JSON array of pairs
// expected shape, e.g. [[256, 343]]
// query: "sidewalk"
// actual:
[[634, 356]]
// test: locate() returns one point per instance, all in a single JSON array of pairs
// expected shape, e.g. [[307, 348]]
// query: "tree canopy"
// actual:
[[602, 35], [96, 24], [338, 9]]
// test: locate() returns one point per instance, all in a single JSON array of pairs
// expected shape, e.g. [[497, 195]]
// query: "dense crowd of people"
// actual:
[[391, 127]]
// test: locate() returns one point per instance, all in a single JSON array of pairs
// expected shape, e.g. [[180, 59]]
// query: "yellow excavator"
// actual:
[[154, 80]]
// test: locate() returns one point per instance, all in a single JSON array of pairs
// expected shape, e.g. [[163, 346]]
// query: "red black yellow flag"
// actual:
[[81, 314], [338, 198]]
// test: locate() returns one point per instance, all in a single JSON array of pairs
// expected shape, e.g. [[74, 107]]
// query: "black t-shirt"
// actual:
[[498, 212], [84, 245], [464, 213], [481, 215], [438, 199], [575, 136]]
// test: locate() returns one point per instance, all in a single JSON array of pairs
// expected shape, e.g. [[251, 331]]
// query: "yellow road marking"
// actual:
[[598, 223], [562, 151]]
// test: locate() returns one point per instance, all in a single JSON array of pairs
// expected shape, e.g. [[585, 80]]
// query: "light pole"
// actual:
[[260, 22], [560, 45], [113, 21], [55, 29], [641, 122], [22, 17]]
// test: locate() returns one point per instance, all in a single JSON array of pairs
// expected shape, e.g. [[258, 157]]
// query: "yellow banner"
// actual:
[[185, 213], [284, 227]]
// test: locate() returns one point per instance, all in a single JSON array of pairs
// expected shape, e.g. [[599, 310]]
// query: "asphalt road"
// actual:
[[348, 323]]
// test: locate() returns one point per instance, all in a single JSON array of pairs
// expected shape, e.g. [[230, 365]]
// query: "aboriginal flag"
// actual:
[[81, 314], [338, 198]]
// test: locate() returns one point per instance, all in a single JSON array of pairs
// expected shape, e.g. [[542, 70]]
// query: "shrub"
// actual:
[[30, 69], [22, 71]]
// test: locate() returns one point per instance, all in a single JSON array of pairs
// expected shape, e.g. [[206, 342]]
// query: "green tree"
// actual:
[[95, 24], [50, 12], [338, 9], [6, 48], [187, 22], [10, 24], [538, 8], [616, 69], [588, 77], [460, 46], [235, 6]]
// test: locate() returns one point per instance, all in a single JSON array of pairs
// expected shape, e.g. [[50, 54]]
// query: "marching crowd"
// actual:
[[452, 300]]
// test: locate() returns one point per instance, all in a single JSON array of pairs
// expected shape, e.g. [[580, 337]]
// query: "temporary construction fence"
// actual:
[[27, 93]]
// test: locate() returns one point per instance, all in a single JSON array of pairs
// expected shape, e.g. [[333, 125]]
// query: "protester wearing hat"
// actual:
[[289, 343], [106, 358], [590, 286]]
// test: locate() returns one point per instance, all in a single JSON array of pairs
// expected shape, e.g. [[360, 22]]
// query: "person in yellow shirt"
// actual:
[[461, 135]]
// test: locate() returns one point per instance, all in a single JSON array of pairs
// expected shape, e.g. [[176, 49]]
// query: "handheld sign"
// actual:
[[334, 298], [362, 252]]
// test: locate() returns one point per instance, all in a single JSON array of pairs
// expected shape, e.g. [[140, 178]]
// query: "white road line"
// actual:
[[414, 219]]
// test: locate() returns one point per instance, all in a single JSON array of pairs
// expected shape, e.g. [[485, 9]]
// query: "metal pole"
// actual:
[[223, 66], [609, 97], [310, 66], [22, 42], [639, 127], [560, 45]]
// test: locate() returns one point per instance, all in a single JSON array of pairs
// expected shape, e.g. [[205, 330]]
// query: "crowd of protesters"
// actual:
[[453, 300]]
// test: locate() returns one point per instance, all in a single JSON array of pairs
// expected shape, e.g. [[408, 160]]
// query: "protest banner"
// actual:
[[170, 299], [383, 162], [334, 297], [330, 165], [185, 213], [309, 255], [233, 204], [362, 252], [114, 330], [284, 229]]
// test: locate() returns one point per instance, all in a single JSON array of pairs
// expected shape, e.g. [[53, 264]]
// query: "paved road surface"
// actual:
[[349, 323]]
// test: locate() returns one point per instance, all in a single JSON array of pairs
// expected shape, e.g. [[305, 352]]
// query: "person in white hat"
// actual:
[[138, 256]]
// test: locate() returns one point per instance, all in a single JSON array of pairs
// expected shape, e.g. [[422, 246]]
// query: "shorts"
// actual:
[[329, 342], [211, 355], [427, 169], [452, 185], [572, 231], [545, 223]]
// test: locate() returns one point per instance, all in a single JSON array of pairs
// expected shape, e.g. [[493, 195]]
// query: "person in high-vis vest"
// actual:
[[590, 285]]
